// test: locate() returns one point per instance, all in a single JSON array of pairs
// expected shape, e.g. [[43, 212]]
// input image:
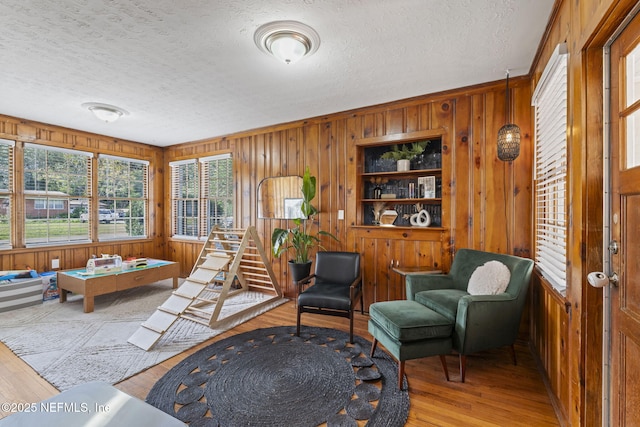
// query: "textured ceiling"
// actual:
[[189, 70]]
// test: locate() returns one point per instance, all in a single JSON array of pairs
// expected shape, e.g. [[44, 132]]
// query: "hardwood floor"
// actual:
[[496, 392]]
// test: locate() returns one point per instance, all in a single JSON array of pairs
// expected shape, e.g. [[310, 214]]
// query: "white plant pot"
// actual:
[[404, 165]]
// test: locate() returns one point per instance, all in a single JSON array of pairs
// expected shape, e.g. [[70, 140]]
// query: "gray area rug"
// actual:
[[67, 346], [270, 377]]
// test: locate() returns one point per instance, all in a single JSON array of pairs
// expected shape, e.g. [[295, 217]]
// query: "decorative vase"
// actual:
[[299, 271], [404, 165], [377, 192], [376, 217], [388, 217], [421, 219]]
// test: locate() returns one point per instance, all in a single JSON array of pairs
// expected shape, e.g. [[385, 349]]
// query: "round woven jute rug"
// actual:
[[270, 377]]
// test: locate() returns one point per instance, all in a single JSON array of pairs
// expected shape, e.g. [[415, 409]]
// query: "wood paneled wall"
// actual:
[[566, 332], [484, 191], [490, 201], [75, 256]]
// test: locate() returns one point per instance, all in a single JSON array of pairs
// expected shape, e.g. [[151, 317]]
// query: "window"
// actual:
[[53, 204], [550, 170], [6, 191], [201, 195], [122, 197], [184, 198], [57, 189], [216, 174], [632, 114]]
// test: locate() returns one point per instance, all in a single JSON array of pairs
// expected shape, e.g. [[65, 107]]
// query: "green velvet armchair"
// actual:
[[481, 322]]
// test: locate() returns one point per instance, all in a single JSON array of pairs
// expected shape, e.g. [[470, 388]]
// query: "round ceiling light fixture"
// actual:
[[105, 112], [288, 41]]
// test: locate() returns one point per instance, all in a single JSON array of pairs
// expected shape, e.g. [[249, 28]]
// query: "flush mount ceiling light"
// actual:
[[288, 41], [105, 112]]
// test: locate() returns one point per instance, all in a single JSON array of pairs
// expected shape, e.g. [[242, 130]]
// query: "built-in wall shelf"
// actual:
[[382, 186]]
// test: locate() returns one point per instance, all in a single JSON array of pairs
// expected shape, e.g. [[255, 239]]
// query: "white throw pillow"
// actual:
[[489, 279]]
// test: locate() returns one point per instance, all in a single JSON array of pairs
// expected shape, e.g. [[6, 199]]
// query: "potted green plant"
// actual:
[[299, 239], [404, 153]]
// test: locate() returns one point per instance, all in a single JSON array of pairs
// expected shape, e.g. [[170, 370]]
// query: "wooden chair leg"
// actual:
[[351, 326], [463, 366], [444, 366], [400, 374], [373, 346], [513, 354]]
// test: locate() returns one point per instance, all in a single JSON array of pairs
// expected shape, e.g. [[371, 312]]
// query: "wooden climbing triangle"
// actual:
[[231, 261]]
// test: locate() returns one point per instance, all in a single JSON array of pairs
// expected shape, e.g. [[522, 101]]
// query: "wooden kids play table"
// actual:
[[79, 282]]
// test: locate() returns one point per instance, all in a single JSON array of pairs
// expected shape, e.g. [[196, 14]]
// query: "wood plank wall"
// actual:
[[566, 332], [75, 256], [484, 191]]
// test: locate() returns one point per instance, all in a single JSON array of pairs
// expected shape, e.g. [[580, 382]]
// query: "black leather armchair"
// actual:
[[336, 287]]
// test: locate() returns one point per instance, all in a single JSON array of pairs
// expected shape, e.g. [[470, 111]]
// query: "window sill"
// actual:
[[178, 238], [559, 295]]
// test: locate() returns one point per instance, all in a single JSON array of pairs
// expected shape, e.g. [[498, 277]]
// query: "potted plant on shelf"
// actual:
[[405, 153], [299, 238]]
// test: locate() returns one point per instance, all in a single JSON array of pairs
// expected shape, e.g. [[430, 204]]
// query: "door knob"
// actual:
[[598, 279]]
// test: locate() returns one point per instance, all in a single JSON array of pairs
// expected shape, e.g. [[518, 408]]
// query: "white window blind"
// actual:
[[216, 191], [201, 195], [6, 191], [57, 149], [184, 198], [550, 170]]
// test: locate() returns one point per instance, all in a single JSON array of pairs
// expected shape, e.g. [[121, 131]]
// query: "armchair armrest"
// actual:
[[486, 321], [356, 286], [305, 280], [355, 290], [473, 299], [426, 282]]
